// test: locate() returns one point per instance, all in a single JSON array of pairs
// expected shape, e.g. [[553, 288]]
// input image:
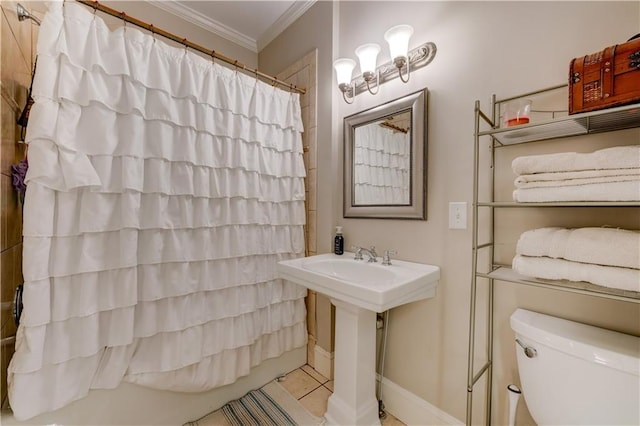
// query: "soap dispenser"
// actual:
[[338, 241]]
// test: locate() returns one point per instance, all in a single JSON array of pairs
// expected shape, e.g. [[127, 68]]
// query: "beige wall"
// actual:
[[484, 48]]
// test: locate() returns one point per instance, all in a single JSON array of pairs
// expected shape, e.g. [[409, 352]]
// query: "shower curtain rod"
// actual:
[[394, 127], [155, 30]]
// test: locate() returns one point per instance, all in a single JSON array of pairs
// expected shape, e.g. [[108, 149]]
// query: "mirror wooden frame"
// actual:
[[417, 207]]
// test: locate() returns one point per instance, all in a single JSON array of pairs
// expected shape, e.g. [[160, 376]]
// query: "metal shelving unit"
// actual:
[[620, 118], [608, 120]]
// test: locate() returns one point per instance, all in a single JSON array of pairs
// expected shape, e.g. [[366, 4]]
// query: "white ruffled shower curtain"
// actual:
[[382, 166], [162, 190]]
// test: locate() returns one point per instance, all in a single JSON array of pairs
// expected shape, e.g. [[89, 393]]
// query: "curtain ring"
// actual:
[[235, 64], [186, 47], [153, 32], [213, 56], [123, 16]]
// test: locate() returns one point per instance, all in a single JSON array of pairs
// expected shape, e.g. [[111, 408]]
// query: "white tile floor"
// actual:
[[313, 390]]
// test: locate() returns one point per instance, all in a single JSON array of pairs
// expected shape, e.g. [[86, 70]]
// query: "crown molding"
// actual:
[[209, 24], [296, 10]]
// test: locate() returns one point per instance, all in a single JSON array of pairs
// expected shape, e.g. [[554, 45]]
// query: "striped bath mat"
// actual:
[[270, 405], [256, 408]]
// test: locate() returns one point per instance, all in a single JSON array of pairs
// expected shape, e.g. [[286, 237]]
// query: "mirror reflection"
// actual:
[[382, 161], [385, 160]]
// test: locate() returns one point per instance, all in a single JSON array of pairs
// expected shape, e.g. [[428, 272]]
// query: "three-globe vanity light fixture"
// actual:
[[398, 39]]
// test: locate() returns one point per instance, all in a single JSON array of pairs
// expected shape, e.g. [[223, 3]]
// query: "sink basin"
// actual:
[[371, 286], [358, 290]]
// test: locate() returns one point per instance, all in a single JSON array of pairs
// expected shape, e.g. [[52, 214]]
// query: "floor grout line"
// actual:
[[322, 383], [311, 391], [313, 378]]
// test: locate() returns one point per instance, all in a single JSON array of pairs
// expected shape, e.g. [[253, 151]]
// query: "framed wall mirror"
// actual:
[[385, 160]]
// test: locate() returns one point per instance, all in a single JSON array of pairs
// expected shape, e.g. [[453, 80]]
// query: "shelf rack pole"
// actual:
[[474, 261], [487, 368], [495, 116], [524, 95]]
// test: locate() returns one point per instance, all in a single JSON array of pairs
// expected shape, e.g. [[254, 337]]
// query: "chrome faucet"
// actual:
[[371, 252], [386, 259], [358, 252]]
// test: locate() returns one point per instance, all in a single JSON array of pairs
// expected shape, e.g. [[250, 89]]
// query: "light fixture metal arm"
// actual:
[[405, 63], [347, 92], [417, 58], [344, 96], [368, 78]]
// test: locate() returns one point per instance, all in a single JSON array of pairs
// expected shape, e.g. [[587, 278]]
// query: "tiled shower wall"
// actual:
[[303, 73], [18, 51]]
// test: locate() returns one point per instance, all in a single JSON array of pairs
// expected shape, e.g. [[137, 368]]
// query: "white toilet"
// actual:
[[576, 374]]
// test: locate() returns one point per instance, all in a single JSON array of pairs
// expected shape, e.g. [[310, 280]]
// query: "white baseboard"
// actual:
[[323, 361], [411, 409]]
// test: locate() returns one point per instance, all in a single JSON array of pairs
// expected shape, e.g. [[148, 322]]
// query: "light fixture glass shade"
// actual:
[[398, 39], [344, 68], [367, 54]]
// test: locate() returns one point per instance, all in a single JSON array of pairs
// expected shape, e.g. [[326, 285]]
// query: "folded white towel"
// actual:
[[574, 175], [612, 191], [560, 269], [576, 182], [619, 157], [602, 246]]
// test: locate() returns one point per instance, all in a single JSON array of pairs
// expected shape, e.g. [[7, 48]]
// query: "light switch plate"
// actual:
[[458, 215]]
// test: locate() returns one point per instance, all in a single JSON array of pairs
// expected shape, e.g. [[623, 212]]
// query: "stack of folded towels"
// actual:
[[611, 174], [603, 256]]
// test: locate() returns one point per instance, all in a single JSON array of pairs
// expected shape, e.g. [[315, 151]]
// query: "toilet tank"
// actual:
[[579, 374]]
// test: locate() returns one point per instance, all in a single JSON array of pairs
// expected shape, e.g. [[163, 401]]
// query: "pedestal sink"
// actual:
[[358, 290]]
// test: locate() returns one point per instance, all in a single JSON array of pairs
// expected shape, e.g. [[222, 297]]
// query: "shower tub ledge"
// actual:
[[130, 404]]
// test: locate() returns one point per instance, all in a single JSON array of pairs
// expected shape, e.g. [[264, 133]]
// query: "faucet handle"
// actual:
[[386, 259], [372, 249], [358, 252]]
